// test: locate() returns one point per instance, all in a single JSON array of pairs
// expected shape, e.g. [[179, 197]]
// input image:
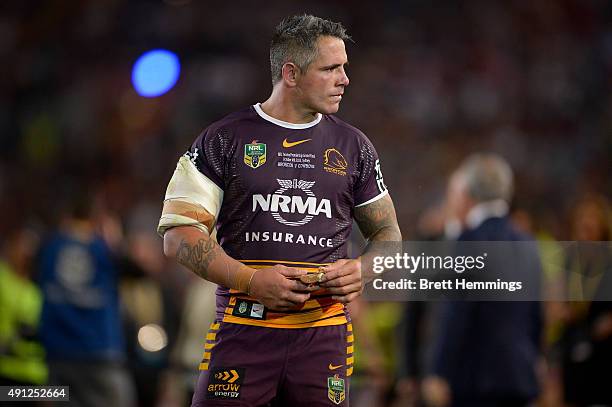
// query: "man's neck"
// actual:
[[485, 210], [81, 230], [282, 107]]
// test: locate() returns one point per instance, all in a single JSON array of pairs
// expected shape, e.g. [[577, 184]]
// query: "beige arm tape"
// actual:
[[192, 199], [242, 277], [188, 210]]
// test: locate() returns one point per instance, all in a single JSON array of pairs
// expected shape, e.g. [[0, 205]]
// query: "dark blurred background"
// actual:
[[431, 82]]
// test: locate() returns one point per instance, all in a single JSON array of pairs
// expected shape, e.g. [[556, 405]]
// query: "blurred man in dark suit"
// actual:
[[486, 352]]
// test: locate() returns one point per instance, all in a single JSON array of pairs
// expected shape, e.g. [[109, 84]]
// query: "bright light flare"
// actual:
[[155, 72]]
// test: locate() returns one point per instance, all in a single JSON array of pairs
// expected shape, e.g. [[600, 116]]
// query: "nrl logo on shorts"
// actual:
[[335, 389], [255, 154], [243, 307]]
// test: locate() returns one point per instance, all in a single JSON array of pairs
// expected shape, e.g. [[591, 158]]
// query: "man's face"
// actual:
[[320, 88], [457, 199]]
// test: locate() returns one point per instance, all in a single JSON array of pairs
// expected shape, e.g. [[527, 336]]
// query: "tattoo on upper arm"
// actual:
[[197, 257], [378, 220]]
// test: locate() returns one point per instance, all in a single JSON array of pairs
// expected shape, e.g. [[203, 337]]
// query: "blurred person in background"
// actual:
[[22, 357], [554, 306], [374, 325], [80, 324], [150, 304], [198, 314], [537, 74], [586, 341], [289, 147], [374, 348], [418, 318], [485, 353]]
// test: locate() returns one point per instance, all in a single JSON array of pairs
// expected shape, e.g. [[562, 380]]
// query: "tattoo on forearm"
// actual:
[[378, 221], [197, 257]]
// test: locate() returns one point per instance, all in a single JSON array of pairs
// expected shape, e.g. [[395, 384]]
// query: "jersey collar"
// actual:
[[286, 125]]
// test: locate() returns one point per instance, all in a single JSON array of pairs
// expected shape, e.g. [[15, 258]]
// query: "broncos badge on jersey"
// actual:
[[334, 162], [255, 154]]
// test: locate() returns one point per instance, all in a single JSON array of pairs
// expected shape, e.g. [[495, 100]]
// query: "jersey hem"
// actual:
[[332, 321], [376, 198]]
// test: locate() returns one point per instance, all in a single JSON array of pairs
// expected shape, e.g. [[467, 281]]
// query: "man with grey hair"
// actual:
[[485, 353], [296, 40], [280, 183], [480, 188]]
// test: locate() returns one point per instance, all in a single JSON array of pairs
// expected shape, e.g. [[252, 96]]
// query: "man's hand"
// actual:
[[343, 280], [279, 289], [602, 328], [436, 391]]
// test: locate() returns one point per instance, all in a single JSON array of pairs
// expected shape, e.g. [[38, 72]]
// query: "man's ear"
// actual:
[[290, 73]]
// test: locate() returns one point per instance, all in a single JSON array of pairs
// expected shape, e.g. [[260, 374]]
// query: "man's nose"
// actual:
[[344, 79]]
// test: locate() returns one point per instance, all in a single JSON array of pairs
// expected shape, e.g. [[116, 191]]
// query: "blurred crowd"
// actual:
[[431, 82]]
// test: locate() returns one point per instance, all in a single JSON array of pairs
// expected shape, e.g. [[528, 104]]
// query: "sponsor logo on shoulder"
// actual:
[[224, 383], [335, 389], [255, 154], [334, 162]]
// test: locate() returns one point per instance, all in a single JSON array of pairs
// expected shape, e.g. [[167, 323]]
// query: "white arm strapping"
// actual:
[[189, 185]]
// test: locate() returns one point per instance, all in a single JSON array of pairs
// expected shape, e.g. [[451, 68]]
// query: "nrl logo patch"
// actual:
[[255, 154], [243, 307], [335, 389], [249, 309]]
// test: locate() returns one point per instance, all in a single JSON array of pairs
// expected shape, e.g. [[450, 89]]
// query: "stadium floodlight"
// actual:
[[155, 72]]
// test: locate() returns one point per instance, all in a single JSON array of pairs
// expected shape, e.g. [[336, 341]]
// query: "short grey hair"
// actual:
[[487, 177], [295, 40]]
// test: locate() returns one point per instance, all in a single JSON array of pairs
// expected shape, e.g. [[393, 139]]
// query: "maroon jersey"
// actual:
[[289, 192]]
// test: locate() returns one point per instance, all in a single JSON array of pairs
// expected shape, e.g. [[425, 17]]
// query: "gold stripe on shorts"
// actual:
[[211, 338], [349, 349]]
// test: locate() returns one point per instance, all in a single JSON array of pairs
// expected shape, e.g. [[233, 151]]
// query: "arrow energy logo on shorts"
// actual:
[[224, 383]]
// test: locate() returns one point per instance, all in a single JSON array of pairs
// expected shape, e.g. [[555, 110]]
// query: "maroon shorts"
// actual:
[[256, 366]]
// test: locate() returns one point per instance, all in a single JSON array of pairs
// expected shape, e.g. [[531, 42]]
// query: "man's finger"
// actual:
[[334, 274], [344, 290], [297, 298], [298, 286], [290, 272], [333, 266], [312, 288], [341, 280], [312, 278], [283, 306], [346, 298]]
